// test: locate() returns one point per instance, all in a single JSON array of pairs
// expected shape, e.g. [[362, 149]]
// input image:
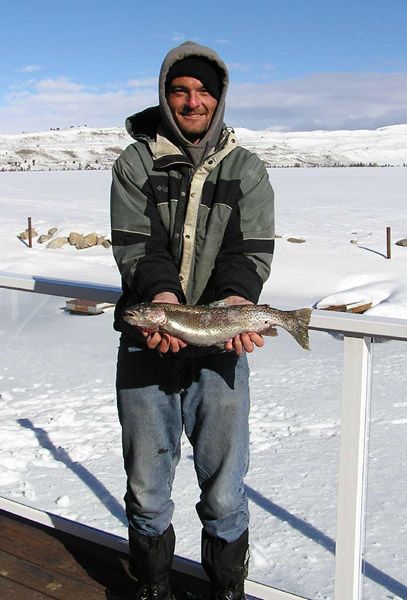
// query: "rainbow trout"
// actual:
[[216, 323]]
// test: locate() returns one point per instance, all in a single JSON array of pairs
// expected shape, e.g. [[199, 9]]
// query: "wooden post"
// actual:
[[30, 233], [388, 242]]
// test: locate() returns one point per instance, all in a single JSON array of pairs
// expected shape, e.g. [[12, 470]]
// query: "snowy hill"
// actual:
[[91, 148], [384, 146]]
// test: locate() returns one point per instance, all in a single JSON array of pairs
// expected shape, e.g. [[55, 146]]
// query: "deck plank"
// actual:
[[37, 546], [47, 581], [15, 591], [40, 562], [38, 556]]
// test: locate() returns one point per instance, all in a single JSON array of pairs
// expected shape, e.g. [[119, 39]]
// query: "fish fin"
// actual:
[[272, 331], [298, 326]]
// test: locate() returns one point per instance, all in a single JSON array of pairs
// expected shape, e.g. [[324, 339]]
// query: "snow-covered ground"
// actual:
[[96, 148], [60, 440], [384, 146]]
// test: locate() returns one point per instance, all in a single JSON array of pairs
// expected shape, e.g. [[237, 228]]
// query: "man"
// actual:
[[192, 222]]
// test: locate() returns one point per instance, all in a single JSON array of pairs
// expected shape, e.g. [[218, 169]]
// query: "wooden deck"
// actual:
[[39, 562]]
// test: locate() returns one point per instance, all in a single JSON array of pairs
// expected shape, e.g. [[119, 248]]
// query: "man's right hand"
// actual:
[[164, 342], [244, 342]]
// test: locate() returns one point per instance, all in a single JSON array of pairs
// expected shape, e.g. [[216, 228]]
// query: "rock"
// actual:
[[74, 238], [294, 240], [24, 234], [402, 242], [87, 241], [102, 241], [81, 244], [44, 238], [91, 239], [57, 243], [52, 231]]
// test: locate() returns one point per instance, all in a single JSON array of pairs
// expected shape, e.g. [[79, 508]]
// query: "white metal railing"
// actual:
[[359, 331]]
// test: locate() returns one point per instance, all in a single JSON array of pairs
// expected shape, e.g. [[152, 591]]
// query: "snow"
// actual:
[[60, 447], [384, 146], [96, 148]]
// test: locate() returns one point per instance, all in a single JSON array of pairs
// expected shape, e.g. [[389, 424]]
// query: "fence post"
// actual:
[[388, 242], [30, 233], [352, 468]]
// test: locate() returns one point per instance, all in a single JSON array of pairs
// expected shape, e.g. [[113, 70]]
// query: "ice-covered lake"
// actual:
[[60, 440]]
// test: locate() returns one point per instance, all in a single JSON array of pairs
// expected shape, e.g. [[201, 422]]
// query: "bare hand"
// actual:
[[245, 342], [167, 297], [233, 300], [163, 342]]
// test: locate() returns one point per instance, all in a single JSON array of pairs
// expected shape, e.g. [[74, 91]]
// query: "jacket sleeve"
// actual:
[[243, 263], [139, 240]]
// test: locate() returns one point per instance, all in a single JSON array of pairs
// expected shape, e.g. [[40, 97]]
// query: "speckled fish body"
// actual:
[[215, 324]]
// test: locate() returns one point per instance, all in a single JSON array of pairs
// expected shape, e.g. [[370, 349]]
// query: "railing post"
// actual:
[[352, 468]]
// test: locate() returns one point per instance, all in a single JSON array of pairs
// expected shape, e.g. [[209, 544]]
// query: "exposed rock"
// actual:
[[91, 239], [81, 244], [87, 241], [24, 234], [74, 238], [44, 238], [402, 242], [57, 242], [294, 240]]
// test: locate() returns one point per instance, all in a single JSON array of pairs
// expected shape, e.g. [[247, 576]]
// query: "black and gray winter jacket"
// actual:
[[202, 231]]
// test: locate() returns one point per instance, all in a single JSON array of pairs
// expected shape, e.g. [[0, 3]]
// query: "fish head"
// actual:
[[145, 316]]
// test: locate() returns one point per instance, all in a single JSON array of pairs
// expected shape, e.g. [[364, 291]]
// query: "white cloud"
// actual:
[[61, 103], [319, 101], [61, 84], [150, 82], [30, 69]]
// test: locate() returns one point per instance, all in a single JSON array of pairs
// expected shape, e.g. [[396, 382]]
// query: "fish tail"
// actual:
[[298, 326]]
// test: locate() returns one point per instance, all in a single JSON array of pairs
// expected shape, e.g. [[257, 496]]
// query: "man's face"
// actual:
[[192, 106]]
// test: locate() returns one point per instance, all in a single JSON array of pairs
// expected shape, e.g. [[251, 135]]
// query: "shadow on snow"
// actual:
[[370, 571]]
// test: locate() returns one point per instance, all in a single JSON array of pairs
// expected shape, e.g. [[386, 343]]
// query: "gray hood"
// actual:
[[197, 152]]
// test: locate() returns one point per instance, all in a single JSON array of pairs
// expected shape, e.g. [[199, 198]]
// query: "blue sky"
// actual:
[[294, 64]]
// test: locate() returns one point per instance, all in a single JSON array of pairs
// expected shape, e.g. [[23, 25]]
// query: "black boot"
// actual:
[[150, 562], [226, 564], [150, 591]]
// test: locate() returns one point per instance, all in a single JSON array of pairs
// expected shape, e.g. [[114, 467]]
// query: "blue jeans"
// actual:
[[208, 395]]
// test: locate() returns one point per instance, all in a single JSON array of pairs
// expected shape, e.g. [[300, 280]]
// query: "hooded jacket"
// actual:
[[195, 151], [193, 219]]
